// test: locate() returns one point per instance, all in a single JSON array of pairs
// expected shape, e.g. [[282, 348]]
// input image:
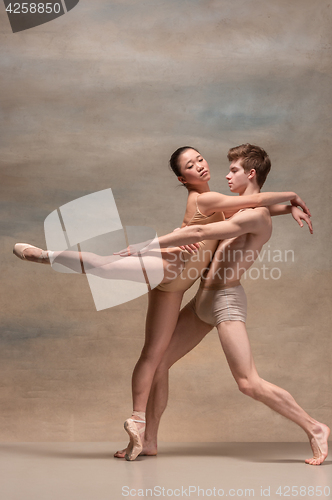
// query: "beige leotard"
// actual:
[[194, 264]]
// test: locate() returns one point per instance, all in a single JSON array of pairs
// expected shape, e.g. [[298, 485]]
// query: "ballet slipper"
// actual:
[[19, 249], [135, 446]]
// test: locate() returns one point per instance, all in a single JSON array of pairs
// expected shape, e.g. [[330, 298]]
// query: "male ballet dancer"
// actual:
[[221, 302]]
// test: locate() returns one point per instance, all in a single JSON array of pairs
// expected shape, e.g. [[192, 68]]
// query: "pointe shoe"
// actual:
[[135, 445], [19, 249]]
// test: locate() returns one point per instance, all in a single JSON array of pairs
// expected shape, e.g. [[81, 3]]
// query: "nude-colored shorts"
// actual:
[[213, 306]]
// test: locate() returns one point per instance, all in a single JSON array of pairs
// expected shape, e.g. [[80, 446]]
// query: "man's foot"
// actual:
[[148, 450], [25, 251], [319, 445]]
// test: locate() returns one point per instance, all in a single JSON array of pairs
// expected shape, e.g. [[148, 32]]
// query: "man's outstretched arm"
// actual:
[[246, 222]]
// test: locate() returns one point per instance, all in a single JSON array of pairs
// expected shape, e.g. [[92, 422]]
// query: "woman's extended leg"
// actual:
[[165, 264]]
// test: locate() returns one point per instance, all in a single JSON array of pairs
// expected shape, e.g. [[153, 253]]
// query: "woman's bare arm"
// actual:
[[217, 202]]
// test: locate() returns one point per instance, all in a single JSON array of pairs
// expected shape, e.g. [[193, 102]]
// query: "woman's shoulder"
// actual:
[[210, 195], [207, 202], [192, 200]]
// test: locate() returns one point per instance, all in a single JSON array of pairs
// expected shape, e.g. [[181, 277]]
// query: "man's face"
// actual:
[[237, 178]]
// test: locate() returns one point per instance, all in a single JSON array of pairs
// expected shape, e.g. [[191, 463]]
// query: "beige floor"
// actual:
[[87, 471]]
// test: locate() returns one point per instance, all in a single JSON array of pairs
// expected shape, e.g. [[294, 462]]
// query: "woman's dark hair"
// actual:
[[174, 160]]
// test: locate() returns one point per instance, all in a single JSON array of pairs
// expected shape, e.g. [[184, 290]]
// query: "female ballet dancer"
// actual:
[[203, 207]]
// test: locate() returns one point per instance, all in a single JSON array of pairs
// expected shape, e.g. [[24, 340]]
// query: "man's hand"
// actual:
[[193, 248], [126, 252], [133, 250], [299, 216], [298, 202]]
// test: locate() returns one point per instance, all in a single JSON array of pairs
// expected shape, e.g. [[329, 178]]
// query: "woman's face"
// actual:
[[194, 169]]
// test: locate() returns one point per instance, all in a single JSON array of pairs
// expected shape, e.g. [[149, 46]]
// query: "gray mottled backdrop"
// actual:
[[100, 98]]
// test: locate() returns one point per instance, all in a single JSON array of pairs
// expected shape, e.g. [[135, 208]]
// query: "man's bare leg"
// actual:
[[234, 340], [189, 332]]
